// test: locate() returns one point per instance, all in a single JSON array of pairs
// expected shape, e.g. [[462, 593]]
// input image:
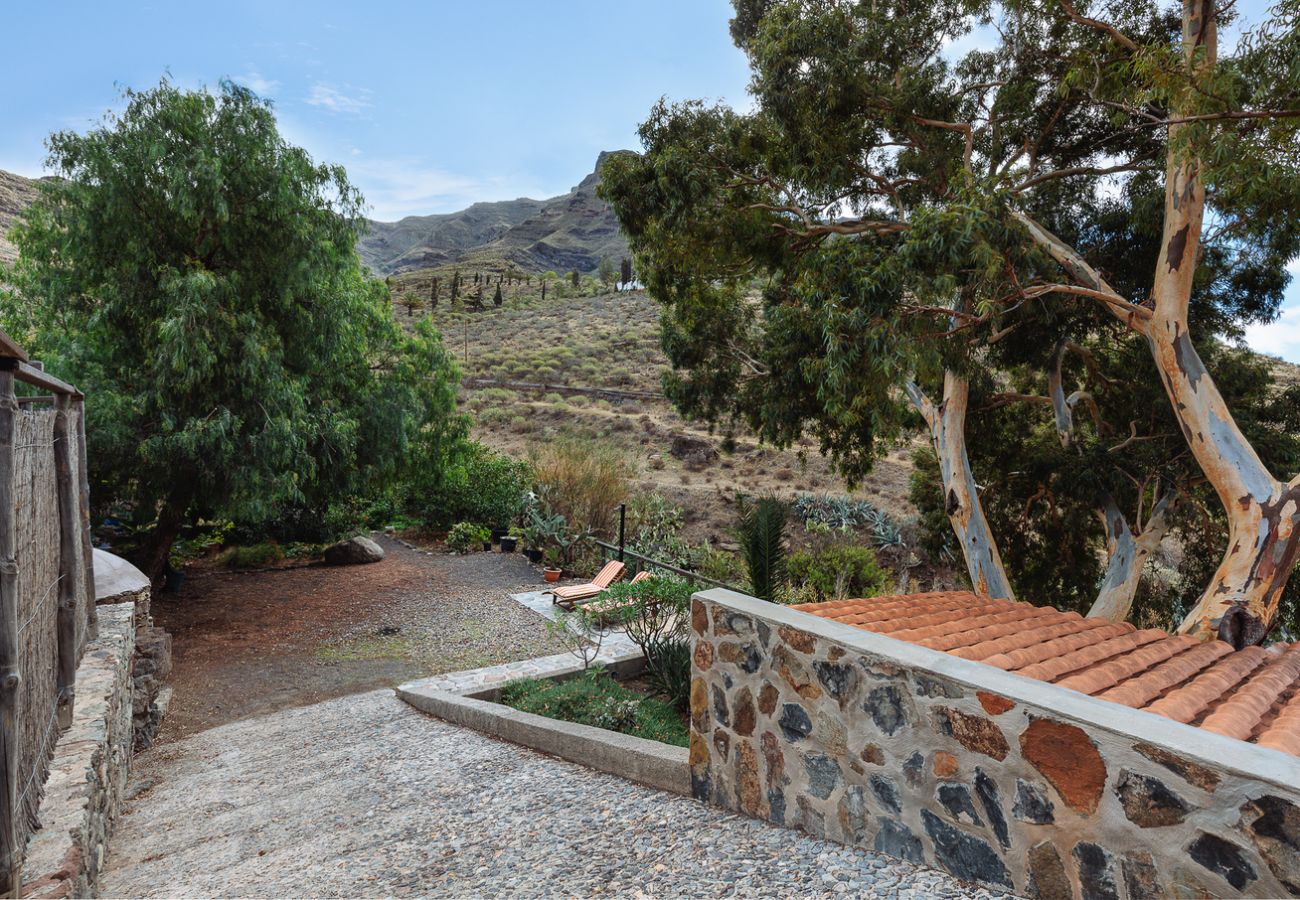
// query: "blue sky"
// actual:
[[430, 105]]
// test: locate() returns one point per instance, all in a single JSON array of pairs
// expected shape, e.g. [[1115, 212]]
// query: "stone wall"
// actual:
[[117, 581], [996, 778], [90, 766]]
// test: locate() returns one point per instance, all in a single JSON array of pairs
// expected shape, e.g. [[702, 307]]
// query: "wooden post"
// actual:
[[11, 855], [71, 581], [87, 549]]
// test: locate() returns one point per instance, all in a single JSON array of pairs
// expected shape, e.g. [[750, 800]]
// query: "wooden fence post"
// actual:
[[87, 548], [11, 855], [71, 581]]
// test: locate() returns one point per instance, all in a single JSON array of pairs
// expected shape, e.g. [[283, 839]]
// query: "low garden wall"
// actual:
[[991, 776], [89, 769]]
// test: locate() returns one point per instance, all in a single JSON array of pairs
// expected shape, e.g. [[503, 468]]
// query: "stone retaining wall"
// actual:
[[90, 766], [996, 778]]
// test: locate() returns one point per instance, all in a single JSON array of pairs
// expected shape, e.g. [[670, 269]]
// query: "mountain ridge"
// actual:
[[571, 231], [575, 230]]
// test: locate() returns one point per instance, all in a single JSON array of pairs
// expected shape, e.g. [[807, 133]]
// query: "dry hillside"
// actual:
[[611, 341], [16, 193]]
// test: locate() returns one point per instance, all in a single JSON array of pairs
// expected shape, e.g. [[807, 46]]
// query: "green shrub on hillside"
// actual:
[[837, 571]]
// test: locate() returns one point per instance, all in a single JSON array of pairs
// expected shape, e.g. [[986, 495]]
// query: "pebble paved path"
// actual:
[[363, 796]]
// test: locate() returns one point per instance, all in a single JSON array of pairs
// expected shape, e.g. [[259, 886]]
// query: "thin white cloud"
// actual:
[[1281, 337], [395, 188], [350, 100], [256, 83]]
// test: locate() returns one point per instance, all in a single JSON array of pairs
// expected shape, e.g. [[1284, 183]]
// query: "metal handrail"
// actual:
[[691, 577]]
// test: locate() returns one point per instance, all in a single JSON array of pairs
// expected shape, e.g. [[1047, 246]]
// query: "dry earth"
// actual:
[[253, 642]]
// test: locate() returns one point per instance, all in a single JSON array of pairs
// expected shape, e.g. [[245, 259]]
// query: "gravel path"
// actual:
[[363, 796]]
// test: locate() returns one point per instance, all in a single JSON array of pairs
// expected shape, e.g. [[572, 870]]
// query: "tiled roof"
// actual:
[[1251, 694]]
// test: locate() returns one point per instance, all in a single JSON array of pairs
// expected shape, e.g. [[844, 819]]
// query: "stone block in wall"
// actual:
[[1018, 784]]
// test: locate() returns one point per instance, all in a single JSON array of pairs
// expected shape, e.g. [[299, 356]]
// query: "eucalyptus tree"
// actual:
[[917, 224], [196, 275]]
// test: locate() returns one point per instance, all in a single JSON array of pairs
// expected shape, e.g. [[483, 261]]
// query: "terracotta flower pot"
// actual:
[[552, 575]]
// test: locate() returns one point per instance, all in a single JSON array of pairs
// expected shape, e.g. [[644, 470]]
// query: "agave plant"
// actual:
[[845, 512]]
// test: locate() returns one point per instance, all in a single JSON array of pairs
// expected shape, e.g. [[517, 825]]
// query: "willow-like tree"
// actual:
[[915, 220], [196, 275]]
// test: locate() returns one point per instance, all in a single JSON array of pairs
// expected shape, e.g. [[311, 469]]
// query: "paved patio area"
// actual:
[[363, 796]]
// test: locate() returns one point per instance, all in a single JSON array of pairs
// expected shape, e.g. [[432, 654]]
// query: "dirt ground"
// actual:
[[251, 643]]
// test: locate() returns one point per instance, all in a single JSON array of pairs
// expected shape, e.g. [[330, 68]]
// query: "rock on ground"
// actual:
[[354, 551], [363, 796]]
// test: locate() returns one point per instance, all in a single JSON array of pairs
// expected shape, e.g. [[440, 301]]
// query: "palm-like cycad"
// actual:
[[762, 542]]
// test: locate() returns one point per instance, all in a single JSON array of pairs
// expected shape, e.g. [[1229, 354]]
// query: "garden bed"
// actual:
[[596, 698], [641, 759]]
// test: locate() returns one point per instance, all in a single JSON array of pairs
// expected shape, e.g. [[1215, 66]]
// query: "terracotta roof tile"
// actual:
[[1188, 702], [1251, 694], [1023, 639], [1238, 715]]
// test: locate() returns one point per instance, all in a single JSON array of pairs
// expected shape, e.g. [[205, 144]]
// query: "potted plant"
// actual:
[[510, 540], [552, 570], [541, 533]]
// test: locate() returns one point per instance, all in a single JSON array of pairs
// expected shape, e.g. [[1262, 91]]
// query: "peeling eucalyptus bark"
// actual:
[[1241, 601], [1126, 555], [947, 424]]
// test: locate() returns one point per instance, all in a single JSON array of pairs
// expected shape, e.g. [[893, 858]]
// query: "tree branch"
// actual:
[[1080, 170], [922, 403], [963, 127], [1118, 36], [1095, 287]]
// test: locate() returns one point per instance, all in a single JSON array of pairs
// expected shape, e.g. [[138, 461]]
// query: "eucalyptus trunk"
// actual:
[[947, 425], [1126, 555], [1241, 602]]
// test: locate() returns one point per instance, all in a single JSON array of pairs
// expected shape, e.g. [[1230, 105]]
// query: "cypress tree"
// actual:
[[496, 298]]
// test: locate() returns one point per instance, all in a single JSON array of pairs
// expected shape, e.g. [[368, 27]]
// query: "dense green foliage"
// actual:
[[594, 698], [466, 537], [194, 274], [474, 483], [857, 230]]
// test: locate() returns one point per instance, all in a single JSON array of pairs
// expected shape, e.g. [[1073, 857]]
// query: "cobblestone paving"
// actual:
[[363, 796]]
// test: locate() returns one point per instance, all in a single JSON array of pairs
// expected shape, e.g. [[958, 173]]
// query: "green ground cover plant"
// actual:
[[595, 698]]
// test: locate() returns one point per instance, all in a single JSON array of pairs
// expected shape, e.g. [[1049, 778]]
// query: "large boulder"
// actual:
[[696, 452], [354, 551]]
